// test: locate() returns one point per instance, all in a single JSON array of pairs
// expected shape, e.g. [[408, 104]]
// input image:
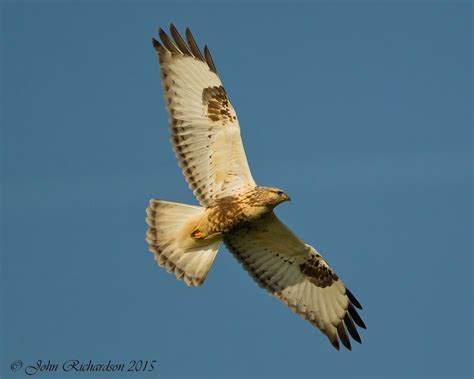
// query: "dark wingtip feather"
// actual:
[[161, 32], [332, 337], [355, 316], [353, 299], [167, 42], [156, 44], [335, 343], [341, 331], [163, 35], [193, 45], [179, 40], [351, 328], [209, 60]]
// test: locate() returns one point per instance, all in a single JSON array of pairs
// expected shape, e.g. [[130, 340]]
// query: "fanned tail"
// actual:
[[169, 238]]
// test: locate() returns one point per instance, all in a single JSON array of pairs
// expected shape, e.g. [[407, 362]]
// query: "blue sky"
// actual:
[[360, 111]]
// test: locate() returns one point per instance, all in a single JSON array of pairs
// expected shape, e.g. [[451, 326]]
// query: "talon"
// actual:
[[197, 234]]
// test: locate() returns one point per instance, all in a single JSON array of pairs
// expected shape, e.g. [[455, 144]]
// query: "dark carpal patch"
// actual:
[[317, 272], [217, 105]]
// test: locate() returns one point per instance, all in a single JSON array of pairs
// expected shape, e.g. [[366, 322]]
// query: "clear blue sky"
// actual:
[[360, 111]]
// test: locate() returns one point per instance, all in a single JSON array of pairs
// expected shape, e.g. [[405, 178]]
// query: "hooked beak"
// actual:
[[287, 198]]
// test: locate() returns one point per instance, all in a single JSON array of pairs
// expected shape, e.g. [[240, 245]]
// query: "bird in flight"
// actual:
[[184, 239]]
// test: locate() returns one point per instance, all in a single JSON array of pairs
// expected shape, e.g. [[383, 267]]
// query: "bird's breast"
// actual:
[[228, 216]]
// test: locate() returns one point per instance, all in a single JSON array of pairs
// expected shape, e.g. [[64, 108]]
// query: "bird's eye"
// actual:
[[280, 192]]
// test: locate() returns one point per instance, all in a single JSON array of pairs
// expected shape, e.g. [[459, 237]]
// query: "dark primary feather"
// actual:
[[341, 331], [209, 60], [179, 41], [351, 328], [332, 337], [193, 45], [352, 299], [178, 45], [156, 44], [355, 316], [168, 42]]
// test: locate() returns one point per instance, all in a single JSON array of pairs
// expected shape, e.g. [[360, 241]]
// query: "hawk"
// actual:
[[184, 239]]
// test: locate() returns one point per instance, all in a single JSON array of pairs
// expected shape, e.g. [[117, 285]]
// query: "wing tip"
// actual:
[[176, 45]]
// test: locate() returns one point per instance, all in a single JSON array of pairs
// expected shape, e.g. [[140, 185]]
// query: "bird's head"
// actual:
[[275, 196]]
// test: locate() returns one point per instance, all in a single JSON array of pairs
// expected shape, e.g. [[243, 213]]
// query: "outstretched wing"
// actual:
[[298, 275], [205, 132]]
